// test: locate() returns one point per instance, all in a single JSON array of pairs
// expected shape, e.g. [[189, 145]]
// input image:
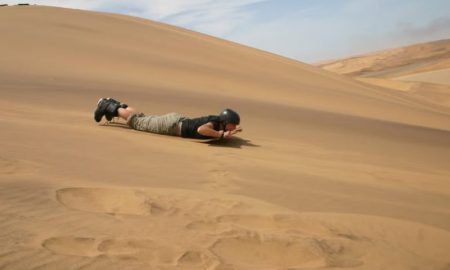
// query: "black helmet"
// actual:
[[230, 117]]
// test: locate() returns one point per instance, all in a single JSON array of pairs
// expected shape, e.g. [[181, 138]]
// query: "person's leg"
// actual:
[[167, 124], [125, 113]]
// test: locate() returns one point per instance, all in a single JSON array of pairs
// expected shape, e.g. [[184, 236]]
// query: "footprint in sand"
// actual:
[[139, 250], [279, 241], [195, 259], [11, 167], [219, 177], [144, 250], [257, 252], [160, 202], [77, 246], [220, 180], [223, 233], [111, 201]]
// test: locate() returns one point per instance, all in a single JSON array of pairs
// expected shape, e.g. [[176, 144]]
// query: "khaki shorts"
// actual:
[[167, 124]]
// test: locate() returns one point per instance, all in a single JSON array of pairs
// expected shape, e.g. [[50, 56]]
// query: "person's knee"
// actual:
[[132, 120], [137, 121]]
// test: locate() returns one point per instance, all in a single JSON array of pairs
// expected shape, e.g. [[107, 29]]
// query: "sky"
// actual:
[[306, 30]]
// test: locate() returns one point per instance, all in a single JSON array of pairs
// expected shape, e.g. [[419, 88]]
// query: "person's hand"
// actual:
[[237, 129], [228, 134]]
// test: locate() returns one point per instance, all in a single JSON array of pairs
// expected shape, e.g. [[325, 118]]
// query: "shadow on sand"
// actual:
[[234, 142], [116, 124]]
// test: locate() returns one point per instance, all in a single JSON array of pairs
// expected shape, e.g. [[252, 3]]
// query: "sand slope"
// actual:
[[422, 69], [330, 172], [441, 76], [395, 62]]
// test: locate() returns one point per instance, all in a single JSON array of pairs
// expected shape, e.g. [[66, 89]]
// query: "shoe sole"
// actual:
[[108, 98], [95, 112]]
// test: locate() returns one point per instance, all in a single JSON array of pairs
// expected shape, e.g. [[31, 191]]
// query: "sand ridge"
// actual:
[[395, 62], [420, 69]]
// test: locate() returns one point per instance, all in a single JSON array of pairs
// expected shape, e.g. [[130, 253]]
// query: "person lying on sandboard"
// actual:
[[221, 126]]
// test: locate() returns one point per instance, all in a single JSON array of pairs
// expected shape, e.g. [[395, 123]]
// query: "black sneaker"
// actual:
[[107, 107]]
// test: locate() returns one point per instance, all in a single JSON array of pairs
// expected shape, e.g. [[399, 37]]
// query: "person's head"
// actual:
[[230, 119]]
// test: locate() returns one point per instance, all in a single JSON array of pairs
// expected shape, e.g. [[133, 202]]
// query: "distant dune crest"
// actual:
[[394, 62], [422, 70]]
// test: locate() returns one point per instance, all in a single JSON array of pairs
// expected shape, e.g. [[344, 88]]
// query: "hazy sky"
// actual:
[[306, 30]]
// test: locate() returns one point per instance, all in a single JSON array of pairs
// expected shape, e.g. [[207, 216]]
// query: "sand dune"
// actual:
[[395, 62], [421, 69], [441, 76], [436, 93], [330, 172]]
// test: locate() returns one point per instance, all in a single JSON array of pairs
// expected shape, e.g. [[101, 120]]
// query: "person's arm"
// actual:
[[228, 134], [208, 130]]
